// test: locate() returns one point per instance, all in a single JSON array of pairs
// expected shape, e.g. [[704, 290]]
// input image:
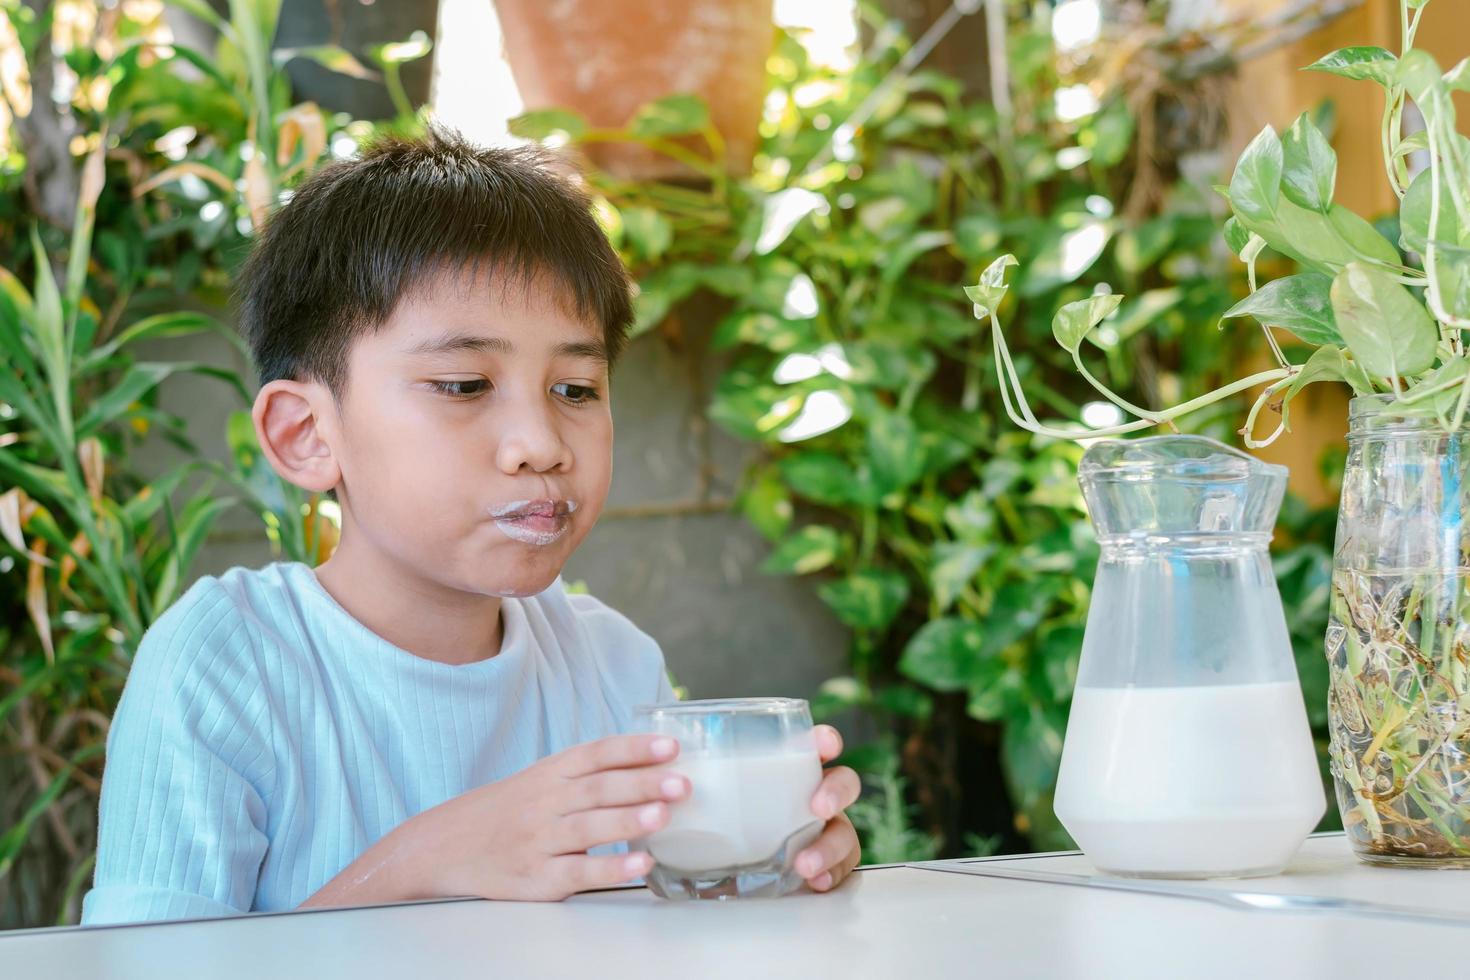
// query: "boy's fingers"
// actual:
[[829, 852], [574, 873], [829, 742], [618, 752], [577, 832], [839, 790], [625, 787], [830, 879]]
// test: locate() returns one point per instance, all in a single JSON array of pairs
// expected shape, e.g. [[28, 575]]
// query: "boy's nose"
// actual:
[[531, 442]]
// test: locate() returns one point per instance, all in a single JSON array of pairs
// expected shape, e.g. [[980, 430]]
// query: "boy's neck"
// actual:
[[409, 611]]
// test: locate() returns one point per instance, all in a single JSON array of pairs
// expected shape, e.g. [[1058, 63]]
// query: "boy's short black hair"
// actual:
[[360, 235]]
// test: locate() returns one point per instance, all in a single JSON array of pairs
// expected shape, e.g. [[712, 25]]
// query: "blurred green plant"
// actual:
[[173, 158], [954, 548]]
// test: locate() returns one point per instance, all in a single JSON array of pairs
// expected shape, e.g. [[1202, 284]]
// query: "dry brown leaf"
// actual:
[[89, 454], [180, 169], [81, 546], [94, 175], [304, 125], [36, 603], [11, 503], [258, 196]]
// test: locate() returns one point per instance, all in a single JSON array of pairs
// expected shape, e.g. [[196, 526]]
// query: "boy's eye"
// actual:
[[461, 389], [576, 394]]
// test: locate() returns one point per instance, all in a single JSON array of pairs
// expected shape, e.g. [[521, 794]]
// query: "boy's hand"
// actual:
[[833, 855], [526, 836]]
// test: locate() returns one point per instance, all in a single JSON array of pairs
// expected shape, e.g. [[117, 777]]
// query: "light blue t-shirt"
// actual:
[[265, 738]]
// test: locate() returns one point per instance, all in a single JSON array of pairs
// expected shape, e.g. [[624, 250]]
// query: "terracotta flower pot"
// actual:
[[607, 58]]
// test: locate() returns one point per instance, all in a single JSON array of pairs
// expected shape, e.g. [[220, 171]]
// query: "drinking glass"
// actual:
[[753, 768]]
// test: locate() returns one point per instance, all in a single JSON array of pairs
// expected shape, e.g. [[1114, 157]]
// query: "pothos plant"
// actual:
[[1378, 315], [1387, 318]]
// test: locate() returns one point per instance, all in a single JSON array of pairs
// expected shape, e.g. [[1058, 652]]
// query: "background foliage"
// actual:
[[175, 156], [953, 546]]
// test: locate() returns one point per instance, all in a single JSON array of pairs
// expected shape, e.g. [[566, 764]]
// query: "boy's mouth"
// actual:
[[534, 522]]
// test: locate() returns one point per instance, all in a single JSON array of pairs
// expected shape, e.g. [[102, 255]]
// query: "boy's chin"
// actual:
[[520, 586]]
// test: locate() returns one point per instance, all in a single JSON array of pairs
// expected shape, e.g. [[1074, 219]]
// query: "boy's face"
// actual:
[[476, 436]]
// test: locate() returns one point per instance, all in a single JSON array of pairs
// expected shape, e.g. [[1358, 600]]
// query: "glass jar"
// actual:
[[1398, 641]]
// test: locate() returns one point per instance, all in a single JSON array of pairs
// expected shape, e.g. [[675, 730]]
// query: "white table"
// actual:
[[897, 922]]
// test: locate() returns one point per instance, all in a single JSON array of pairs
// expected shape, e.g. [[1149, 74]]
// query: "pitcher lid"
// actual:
[[1179, 484]]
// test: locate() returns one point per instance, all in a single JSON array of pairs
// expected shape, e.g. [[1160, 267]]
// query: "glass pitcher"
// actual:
[[1188, 753]]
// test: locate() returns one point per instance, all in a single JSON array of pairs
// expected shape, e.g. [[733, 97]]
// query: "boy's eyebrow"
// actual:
[[472, 343]]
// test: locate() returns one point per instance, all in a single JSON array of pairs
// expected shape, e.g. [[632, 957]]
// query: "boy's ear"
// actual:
[[293, 422]]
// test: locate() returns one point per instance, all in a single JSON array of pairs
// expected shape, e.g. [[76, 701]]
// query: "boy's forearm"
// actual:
[[392, 870]]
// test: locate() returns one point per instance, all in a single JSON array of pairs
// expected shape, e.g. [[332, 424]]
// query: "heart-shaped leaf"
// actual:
[[1360, 62], [867, 600], [1075, 320], [1387, 329], [944, 653], [991, 289], [1414, 214], [541, 123], [1301, 303], [809, 550], [1309, 171], [674, 115], [1255, 186]]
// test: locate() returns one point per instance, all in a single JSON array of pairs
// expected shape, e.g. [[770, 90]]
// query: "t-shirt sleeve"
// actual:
[[182, 823], [631, 662]]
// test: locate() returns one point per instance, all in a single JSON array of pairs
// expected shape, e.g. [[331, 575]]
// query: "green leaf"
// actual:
[[1360, 62], [1015, 612], [1414, 213], [1236, 235], [138, 381], [767, 505], [648, 231], [894, 450], [1067, 258], [166, 325], [659, 292], [146, 502], [821, 478], [541, 124], [996, 690], [411, 48], [188, 536], [1301, 303], [1387, 329], [1419, 74], [1031, 752], [1361, 237], [954, 567], [867, 600], [330, 56], [674, 115], [809, 550], [944, 654], [991, 289], [1255, 186], [1325, 364], [767, 330], [1309, 171], [1060, 650], [1458, 77], [1075, 320]]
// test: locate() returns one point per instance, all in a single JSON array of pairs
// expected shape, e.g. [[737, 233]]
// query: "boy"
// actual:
[[428, 713]]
